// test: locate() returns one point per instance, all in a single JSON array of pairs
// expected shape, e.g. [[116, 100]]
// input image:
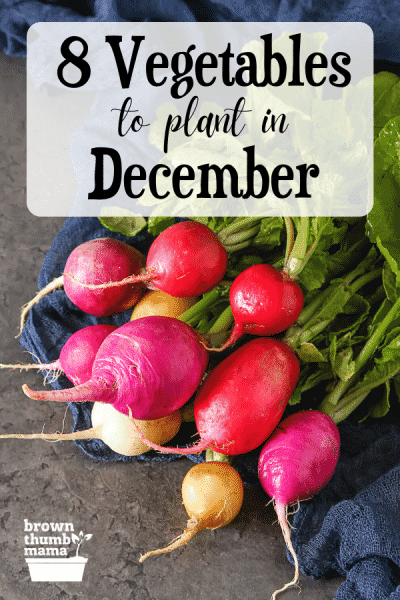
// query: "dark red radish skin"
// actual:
[[92, 263], [187, 259], [296, 462], [152, 366], [98, 261], [76, 356], [242, 400], [264, 301]]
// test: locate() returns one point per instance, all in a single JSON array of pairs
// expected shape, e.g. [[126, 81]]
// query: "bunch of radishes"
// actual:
[[141, 375]]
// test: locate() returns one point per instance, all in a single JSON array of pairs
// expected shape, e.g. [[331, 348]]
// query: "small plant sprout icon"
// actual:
[[79, 539]]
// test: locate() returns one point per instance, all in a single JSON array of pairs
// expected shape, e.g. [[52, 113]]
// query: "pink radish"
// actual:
[[77, 354], [296, 462], [242, 400], [264, 301], [187, 259], [95, 262], [115, 430], [151, 365]]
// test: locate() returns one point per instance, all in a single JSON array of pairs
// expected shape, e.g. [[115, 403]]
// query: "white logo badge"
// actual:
[[46, 551]]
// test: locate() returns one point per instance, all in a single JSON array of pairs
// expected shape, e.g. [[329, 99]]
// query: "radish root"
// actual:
[[197, 448], [281, 511], [55, 284], [144, 277], [55, 367], [87, 434], [193, 527]]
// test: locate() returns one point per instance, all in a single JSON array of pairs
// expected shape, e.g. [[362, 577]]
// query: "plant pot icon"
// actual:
[[57, 569], [60, 569]]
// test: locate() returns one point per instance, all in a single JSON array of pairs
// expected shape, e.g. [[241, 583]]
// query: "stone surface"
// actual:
[[128, 508]]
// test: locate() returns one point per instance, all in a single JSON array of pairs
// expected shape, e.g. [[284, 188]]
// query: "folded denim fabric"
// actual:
[[383, 17]]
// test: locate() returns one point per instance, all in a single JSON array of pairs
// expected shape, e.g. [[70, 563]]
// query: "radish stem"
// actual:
[[241, 224], [242, 236], [367, 351], [187, 413], [323, 310], [207, 300], [223, 322], [212, 456], [295, 261], [289, 238]]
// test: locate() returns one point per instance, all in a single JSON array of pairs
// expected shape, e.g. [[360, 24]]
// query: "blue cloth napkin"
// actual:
[[17, 16], [351, 528]]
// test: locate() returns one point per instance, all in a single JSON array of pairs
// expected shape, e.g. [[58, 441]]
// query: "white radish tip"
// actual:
[[193, 527], [281, 511]]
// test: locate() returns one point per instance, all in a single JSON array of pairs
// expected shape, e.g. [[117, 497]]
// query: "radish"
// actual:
[[186, 259], [115, 430], [212, 494], [242, 400], [151, 365], [77, 354], [295, 463], [156, 302], [94, 262], [264, 301]]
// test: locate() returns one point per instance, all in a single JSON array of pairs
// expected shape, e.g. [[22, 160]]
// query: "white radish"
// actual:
[[116, 430]]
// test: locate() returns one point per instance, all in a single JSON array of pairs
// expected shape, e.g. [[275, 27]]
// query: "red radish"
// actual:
[[242, 400], [187, 259], [77, 354], [151, 365], [212, 494], [115, 430], [95, 262], [296, 462], [264, 301]]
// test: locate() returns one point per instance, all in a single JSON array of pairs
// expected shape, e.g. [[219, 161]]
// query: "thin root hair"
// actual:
[[269, 502], [285, 587], [49, 441], [56, 374], [290, 514], [221, 511], [64, 419], [57, 432]]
